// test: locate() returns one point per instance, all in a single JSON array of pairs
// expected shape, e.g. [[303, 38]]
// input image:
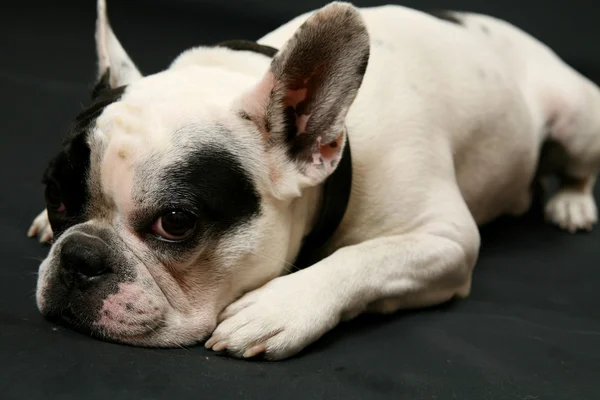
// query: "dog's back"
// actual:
[[202, 182], [459, 96]]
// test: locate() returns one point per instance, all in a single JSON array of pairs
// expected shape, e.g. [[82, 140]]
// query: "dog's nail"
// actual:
[[220, 346], [255, 350]]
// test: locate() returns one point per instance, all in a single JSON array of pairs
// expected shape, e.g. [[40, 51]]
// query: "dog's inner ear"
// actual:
[[115, 68], [302, 101]]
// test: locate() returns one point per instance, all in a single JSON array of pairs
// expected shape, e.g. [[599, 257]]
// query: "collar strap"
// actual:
[[336, 189], [336, 195]]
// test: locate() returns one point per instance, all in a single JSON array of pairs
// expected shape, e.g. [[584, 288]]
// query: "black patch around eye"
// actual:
[[212, 184], [53, 196], [216, 179], [69, 168]]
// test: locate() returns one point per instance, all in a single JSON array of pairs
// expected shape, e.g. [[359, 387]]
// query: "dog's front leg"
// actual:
[[418, 269], [41, 227]]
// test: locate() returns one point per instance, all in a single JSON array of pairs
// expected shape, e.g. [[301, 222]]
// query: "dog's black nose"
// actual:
[[84, 258]]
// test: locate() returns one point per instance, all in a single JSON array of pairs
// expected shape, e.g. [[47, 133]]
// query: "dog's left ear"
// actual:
[[115, 68], [301, 103]]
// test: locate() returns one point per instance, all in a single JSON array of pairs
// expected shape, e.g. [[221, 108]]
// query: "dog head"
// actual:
[[176, 193]]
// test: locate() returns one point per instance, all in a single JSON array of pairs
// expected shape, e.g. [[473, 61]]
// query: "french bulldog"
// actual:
[[375, 140]]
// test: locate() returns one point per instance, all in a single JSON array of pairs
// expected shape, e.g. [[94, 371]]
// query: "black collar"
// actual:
[[336, 194], [336, 189]]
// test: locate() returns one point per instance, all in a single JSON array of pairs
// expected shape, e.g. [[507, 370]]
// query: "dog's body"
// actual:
[[445, 132]]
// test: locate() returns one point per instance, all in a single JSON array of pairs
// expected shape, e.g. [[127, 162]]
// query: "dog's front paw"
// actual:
[[277, 320], [41, 227], [572, 210]]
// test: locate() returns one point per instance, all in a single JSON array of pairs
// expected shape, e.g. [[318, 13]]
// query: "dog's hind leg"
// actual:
[[572, 153], [573, 206]]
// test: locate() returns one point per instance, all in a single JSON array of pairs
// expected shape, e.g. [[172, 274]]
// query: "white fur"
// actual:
[[436, 150], [41, 228], [573, 209], [445, 133]]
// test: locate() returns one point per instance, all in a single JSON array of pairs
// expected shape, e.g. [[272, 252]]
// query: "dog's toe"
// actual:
[[41, 228], [572, 211]]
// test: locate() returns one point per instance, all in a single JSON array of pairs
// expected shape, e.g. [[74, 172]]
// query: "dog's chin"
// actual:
[[155, 335], [157, 338]]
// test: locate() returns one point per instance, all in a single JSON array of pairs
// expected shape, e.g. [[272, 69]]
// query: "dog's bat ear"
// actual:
[[115, 68], [302, 101]]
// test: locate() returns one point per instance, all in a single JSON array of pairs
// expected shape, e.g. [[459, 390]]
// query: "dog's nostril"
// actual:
[[84, 257], [88, 270]]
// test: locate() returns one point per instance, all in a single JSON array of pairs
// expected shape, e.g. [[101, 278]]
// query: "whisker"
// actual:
[[290, 270], [184, 348], [149, 327], [39, 259]]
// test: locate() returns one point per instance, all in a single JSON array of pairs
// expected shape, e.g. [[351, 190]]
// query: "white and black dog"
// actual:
[[180, 200]]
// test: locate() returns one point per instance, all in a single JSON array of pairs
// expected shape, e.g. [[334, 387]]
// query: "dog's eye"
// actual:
[[54, 198], [175, 225]]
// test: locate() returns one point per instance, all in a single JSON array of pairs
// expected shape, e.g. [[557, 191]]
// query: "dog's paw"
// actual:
[[277, 320], [572, 210], [41, 228]]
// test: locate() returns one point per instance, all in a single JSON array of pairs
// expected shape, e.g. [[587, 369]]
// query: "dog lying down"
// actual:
[[364, 144]]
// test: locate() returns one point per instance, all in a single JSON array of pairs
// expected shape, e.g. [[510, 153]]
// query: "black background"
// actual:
[[531, 329]]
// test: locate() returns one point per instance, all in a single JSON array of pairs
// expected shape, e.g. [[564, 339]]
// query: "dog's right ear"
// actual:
[[302, 101], [115, 68]]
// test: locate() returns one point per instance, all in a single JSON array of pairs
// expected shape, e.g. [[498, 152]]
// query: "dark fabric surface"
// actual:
[[530, 330]]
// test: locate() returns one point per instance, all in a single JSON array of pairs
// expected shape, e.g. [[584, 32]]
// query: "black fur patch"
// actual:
[[445, 15], [210, 182], [68, 170], [289, 120], [102, 85], [247, 45], [217, 184]]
